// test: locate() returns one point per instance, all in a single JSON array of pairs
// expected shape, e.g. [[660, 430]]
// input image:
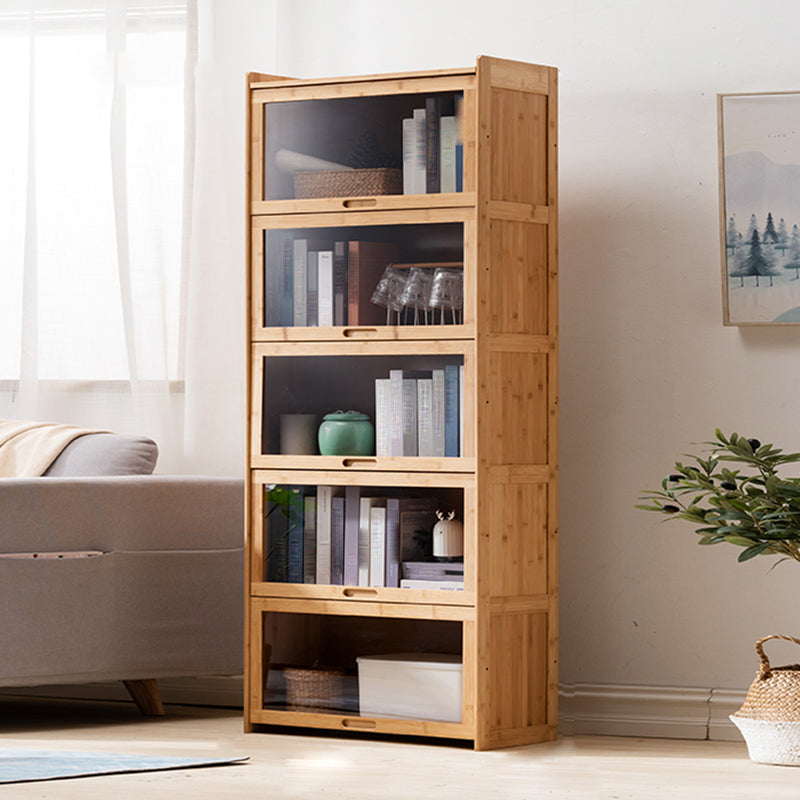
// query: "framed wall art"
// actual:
[[759, 146]]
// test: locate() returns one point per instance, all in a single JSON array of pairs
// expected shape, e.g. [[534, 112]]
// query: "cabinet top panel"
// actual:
[[516, 71], [261, 81]]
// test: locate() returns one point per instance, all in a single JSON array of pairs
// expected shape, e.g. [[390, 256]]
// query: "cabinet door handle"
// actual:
[[364, 202], [367, 724], [358, 462], [358, 591], [359, 333]]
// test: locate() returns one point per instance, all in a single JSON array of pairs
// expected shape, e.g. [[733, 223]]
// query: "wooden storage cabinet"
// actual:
[[497, 233]]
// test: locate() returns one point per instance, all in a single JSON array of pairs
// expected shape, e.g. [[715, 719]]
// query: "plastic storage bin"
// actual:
[[414, 685]]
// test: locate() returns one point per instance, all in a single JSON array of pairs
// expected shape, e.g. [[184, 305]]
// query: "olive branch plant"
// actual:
[[735, 495]]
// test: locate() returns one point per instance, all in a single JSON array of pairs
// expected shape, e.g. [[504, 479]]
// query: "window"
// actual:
[[92, 190]]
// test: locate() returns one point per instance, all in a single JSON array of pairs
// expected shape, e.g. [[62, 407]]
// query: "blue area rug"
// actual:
[[18, 765]]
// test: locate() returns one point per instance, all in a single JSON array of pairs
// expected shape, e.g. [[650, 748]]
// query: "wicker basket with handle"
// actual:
[[769, 718]]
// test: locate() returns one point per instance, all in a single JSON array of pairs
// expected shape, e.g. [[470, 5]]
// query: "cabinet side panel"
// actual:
[[518, 668], [518, 280], [519, 147], [517, 549], [518, 408]]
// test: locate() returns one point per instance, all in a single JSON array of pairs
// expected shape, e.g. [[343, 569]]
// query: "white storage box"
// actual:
[[414, 685]]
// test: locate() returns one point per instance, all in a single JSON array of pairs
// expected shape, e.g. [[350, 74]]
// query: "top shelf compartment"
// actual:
[[389, 145]]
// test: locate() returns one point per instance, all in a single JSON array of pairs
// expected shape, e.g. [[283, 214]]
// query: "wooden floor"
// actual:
[[304, 766]]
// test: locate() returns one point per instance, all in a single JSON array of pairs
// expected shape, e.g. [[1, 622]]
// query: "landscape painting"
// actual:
[[760, 207]]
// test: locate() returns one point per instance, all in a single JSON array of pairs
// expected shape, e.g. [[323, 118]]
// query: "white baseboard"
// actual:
[[648, 711], [585, 708]]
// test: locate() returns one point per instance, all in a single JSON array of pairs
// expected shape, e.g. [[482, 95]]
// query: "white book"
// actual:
[[421, 157], [364, 540], [377, 546], [409, 155], [425, 417], [300, 287], [312, 289], [437, 413], [409, 416], [447, 150], [396, 412], [449, 586], [325, 288], [383, 436], [324, 518]]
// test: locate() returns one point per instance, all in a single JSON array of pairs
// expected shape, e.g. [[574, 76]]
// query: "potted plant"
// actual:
[[736, 495]]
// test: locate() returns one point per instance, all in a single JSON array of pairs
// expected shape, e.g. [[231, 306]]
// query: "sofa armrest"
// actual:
[[141, 512]]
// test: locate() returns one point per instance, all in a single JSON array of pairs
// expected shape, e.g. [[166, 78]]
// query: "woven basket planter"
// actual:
[[348, 182], [313, 689], [769, 718]]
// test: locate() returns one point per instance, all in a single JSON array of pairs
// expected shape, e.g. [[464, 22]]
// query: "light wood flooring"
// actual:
[[307, 766]]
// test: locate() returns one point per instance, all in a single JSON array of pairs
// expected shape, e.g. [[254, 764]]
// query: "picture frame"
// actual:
[[759, 162]]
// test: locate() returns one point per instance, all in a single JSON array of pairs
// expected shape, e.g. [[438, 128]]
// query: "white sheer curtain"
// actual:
[[96, 188]]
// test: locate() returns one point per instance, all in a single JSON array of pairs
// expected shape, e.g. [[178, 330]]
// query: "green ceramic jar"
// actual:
[[346, 433]]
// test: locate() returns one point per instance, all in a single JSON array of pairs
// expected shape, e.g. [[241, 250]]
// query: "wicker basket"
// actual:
[[348, 182], [769, 718], [310, 689]]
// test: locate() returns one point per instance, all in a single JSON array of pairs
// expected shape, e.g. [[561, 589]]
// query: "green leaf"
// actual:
[[755, 550]]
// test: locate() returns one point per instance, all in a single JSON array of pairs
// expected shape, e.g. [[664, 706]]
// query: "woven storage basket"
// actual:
[[310, 689], [769, 718], [348, 182]]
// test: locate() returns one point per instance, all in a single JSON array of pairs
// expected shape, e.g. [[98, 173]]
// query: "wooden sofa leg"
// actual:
[[145, 695]]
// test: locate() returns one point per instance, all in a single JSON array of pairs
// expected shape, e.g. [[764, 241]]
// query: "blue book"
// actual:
[[451, 410], [294, 538]]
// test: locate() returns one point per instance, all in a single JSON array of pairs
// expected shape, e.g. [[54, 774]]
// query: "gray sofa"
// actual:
[[150, 584]]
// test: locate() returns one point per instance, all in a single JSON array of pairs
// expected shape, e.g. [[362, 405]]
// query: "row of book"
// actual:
[[337, 535], [311, 283], [433, 147], [420, 412]]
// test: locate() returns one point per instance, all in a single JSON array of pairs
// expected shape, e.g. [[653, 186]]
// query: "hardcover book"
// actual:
[[352, 511], [366, 262], [300, 285]]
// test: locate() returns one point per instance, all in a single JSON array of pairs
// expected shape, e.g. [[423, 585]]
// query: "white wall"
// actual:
[[646, 366]]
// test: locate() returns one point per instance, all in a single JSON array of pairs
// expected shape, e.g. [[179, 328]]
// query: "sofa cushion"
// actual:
[[97, 454]]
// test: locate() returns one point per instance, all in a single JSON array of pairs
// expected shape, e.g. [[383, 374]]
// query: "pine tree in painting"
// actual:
[[770, 234], [732, 236], [756, 263], [752, 226], [783, 237], [794, 252]]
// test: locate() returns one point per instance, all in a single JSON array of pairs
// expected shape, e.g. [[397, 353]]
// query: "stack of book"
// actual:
[[433, 147], [419, 413], [343, 536], [448, 575], [316, 283]]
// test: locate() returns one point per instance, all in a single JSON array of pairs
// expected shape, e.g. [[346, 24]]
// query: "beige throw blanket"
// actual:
[[27, 449]]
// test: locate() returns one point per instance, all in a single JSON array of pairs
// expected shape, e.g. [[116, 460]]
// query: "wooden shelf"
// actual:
[[501, 233]]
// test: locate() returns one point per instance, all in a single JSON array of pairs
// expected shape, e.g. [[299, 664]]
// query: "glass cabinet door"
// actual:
[[363, 146], [359, 275], [363, 666], [361, 536]]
